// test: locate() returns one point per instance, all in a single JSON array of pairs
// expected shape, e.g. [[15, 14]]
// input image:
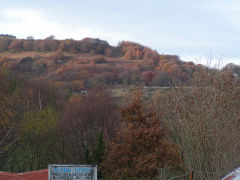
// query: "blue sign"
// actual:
[[72, 172]]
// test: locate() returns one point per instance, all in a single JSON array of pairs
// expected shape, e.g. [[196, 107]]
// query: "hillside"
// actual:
[[92, 62]]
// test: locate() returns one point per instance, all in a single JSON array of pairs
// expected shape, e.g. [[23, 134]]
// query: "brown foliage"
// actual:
[[84, 117], [141, 146], [63, 59], [135, 51], [148, 76]]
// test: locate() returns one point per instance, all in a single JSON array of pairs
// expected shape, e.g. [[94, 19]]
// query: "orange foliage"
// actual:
[[135, 51], [66, 59]]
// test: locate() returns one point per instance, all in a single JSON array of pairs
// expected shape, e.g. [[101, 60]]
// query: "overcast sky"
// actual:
[[195, 30]]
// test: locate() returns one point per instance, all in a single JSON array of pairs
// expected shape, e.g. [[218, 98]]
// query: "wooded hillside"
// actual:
[[90, 62]]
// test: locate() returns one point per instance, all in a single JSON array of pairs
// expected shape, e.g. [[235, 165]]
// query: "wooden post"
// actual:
[[191, 175]]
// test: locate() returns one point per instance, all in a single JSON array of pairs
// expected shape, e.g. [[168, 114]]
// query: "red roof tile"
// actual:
[[31, 175]]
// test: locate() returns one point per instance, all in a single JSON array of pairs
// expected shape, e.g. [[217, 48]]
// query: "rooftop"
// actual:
[[234, 175], [36, 175]]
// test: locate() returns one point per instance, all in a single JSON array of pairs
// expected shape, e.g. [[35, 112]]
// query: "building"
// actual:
[[234, 175]]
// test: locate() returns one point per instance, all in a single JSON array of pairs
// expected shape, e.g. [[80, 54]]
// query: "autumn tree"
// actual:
[[148, 76], [135, 51], [85, 117], [141, 147]]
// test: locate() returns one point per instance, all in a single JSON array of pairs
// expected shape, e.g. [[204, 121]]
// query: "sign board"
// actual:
[[72, 172]]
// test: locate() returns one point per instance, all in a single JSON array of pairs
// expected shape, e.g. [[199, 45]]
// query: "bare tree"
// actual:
[[205, 123], [84, 117]]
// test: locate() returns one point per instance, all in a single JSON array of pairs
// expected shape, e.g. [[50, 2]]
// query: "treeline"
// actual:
[[87, 45], [129, 50], [88, 62], [7, 36], [187, 128]]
